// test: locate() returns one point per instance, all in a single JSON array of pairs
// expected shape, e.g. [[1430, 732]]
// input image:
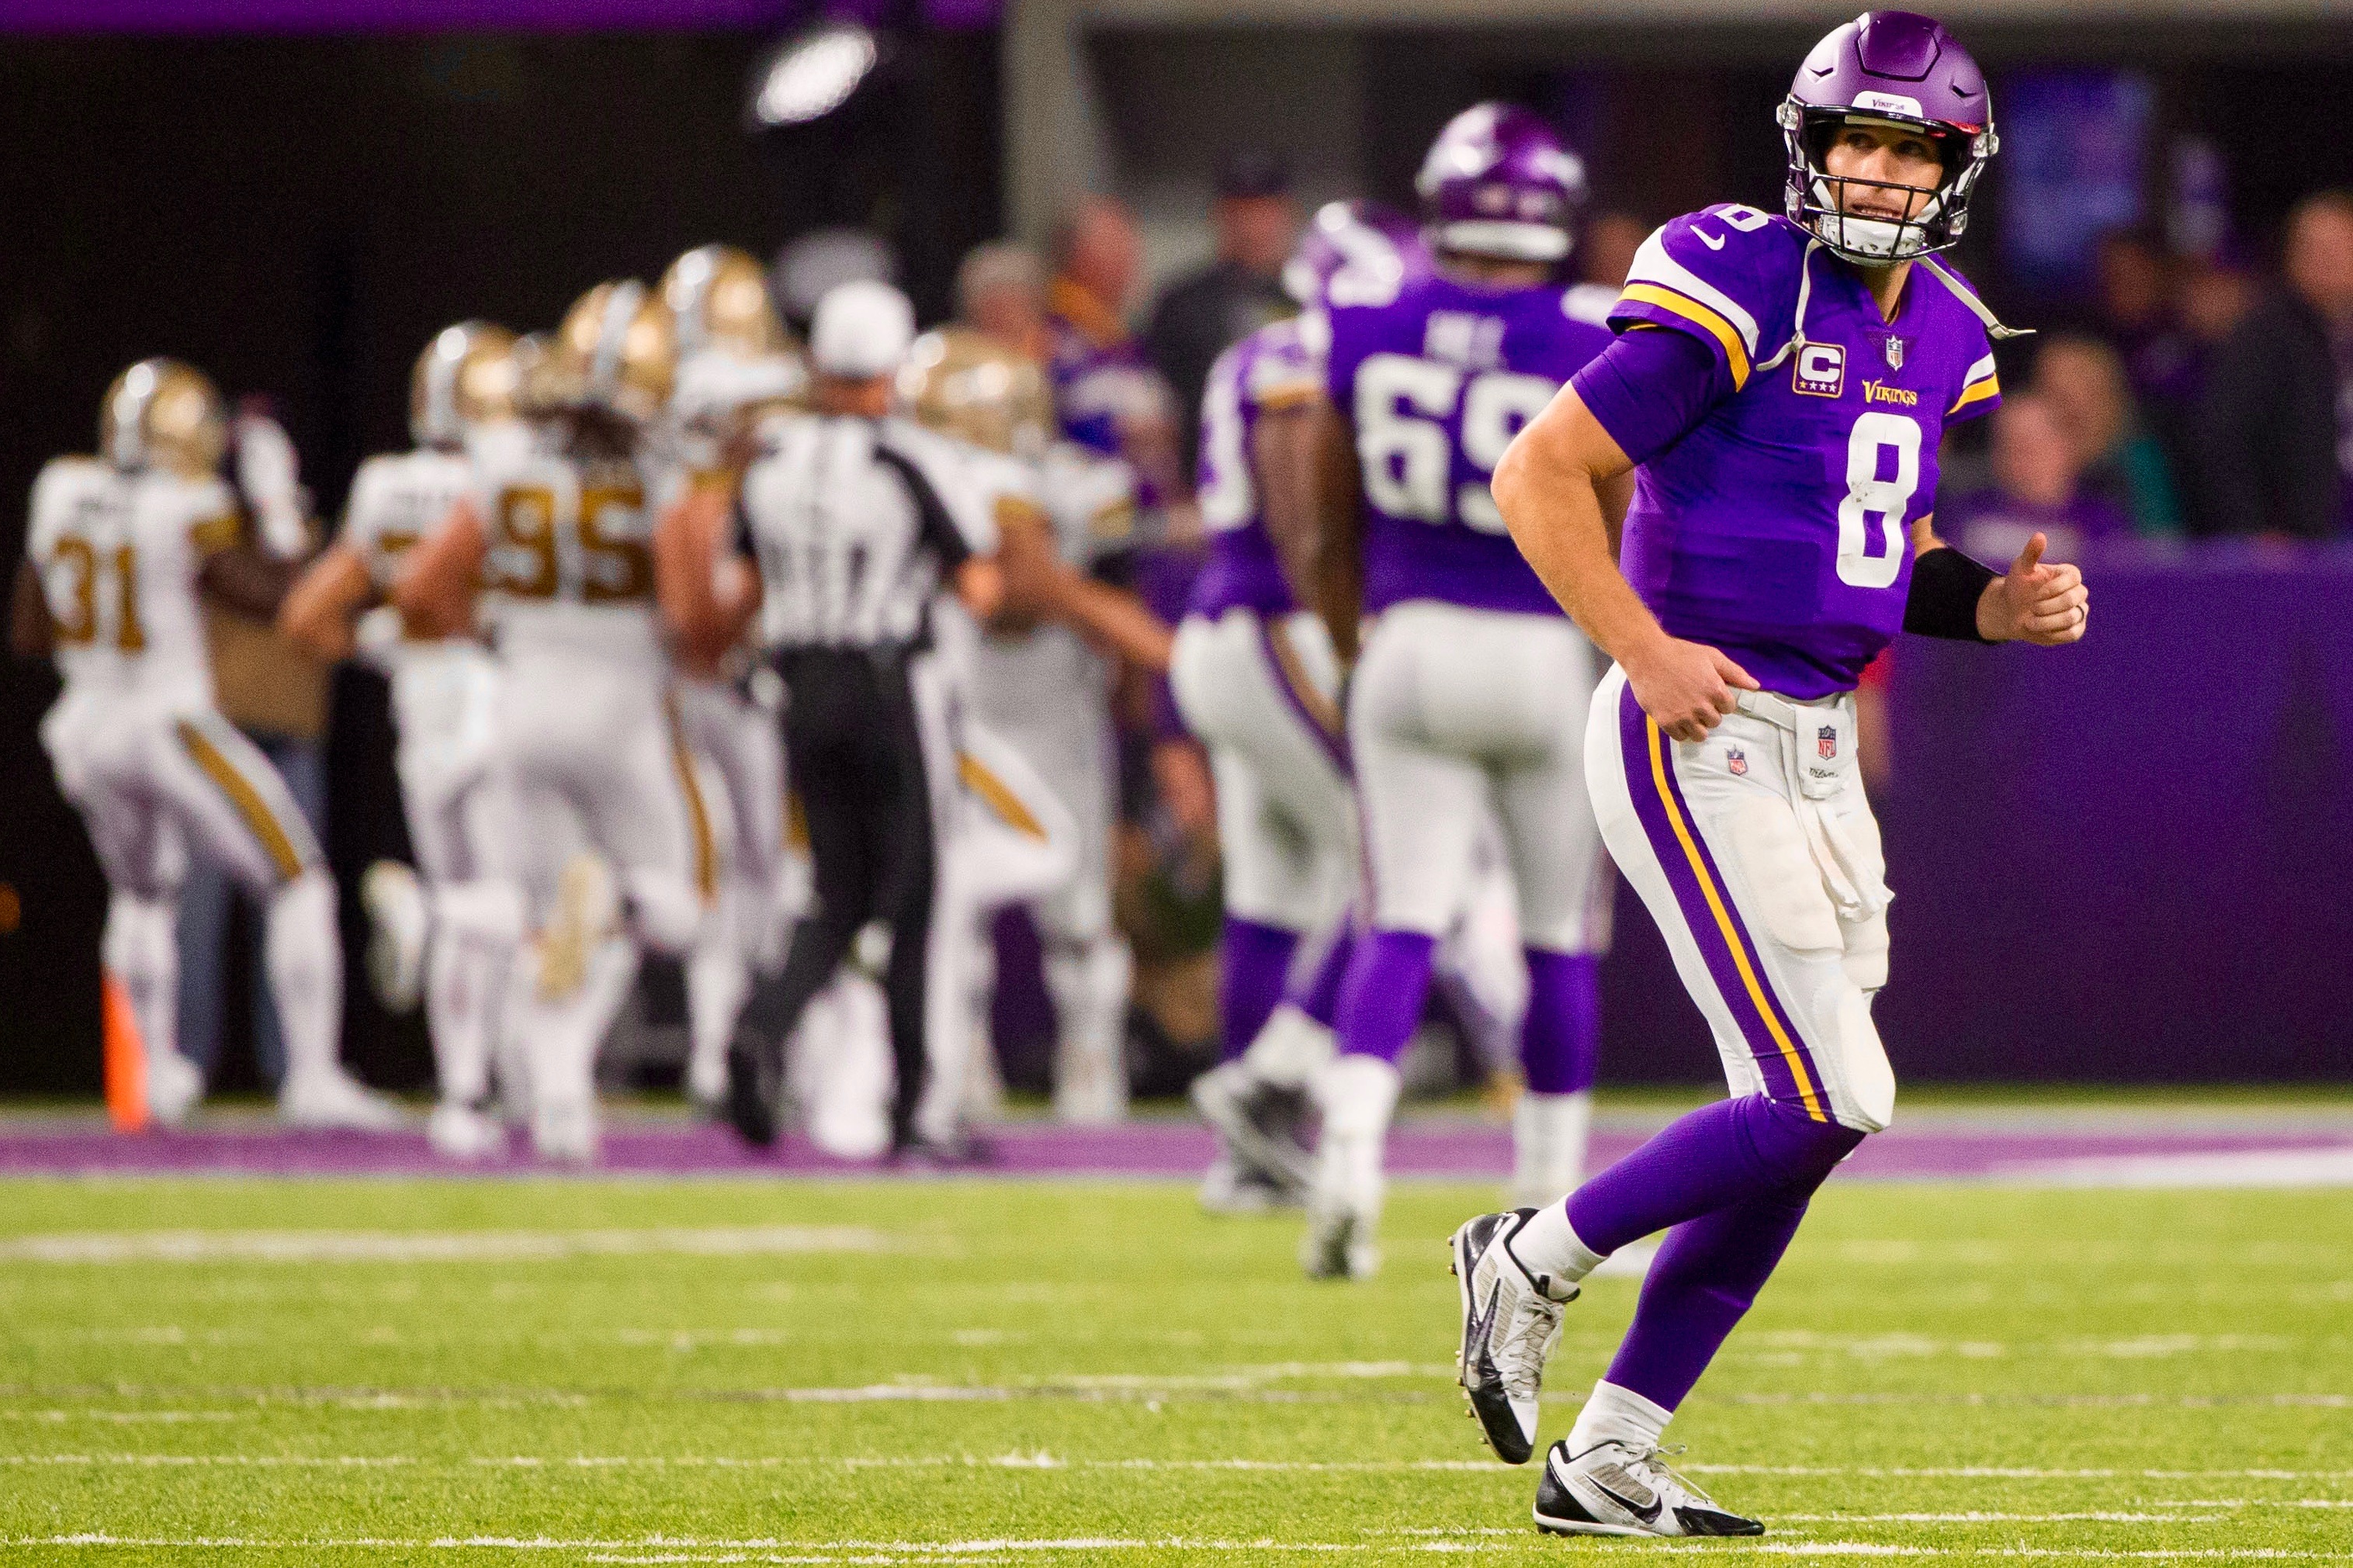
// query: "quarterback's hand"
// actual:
[[1687, 687], [2036, 601]]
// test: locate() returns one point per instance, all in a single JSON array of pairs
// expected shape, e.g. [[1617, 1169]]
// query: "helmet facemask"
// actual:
[[1817, 201]]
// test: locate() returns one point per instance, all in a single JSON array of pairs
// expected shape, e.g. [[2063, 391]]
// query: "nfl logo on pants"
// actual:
[[1826, 742]]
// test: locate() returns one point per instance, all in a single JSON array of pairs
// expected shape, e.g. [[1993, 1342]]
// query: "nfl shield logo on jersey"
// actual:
[[1826, 742], [1894, 353], [1738, 760]]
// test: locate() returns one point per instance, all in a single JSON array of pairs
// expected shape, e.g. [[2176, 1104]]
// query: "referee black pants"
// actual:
[[855, 751]]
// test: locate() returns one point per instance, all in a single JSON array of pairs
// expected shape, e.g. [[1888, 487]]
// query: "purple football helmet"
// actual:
[[1893, 67], [1354, 253], [1499, 182]]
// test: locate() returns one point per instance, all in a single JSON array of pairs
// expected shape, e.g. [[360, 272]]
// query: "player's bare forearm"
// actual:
[[1338, 511], [1118, 621], [319, 609], [1562, 489], [435, 592], [980, 584], [247, 579], [1284, 450], [705, 603], [31, 634]]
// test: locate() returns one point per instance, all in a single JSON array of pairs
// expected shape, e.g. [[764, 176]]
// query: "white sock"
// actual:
[[477, 927], [1290, 1050], [140, 950], [1546, 1245], [717, 983], [1089, 982], [1615, 1415], [1549, 1137], [306, 972], [562, 1037], [1357, 1095]]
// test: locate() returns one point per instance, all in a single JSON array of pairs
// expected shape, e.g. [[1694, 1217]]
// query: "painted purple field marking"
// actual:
[[2108, 1150]]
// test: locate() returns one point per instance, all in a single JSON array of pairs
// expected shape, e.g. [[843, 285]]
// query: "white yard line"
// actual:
[[432, 1246]]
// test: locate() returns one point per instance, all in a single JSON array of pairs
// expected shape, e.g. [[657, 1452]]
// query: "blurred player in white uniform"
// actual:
[[613, 845], [452, 924], [737, 362], [1038, 689], [1045, 685], [118, 554]]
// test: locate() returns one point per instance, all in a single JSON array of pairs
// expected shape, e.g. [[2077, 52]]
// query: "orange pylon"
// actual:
[[126, 1061]]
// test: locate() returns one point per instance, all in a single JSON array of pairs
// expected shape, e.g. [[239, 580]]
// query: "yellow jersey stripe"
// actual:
[[1990, 387], [260, 820], [1724, 923], [997, 796], [1699, 315]]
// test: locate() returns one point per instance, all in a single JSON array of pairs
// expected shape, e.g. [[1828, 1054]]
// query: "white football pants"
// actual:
[[1757, 853]]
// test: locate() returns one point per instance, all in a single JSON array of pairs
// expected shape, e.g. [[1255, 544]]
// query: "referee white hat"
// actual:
[[861, 330]]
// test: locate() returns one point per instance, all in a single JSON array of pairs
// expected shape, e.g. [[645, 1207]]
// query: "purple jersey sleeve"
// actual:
[[1726, 276], [1650, 388]]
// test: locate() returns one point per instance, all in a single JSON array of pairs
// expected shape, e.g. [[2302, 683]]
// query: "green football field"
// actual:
[[1057, 1372]]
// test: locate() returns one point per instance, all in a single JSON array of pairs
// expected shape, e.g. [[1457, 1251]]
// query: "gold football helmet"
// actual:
[[968, 386], [719, 297], [161, 414], [468, 375], [617, 351]]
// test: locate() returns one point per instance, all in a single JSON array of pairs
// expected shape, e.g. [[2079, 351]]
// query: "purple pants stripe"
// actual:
[[1733, 961], [1316, 712]]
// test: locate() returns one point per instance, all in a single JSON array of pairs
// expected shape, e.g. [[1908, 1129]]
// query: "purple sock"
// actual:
[[1257, 958], [1320, 998], [1380, 1002], [1729, 1152], [1703, 1282], [1560, 1039]]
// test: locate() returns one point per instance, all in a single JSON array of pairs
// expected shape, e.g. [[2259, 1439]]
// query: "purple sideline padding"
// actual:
[[2122, 860]]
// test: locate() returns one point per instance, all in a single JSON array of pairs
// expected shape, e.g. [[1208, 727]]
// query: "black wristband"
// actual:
[[1943, 601]]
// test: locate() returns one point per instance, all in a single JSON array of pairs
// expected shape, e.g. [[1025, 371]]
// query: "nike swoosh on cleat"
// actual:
[[1480, 1328], [1647, 1515]]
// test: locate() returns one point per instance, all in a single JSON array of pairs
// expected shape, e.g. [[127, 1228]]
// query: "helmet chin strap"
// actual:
[[1874, 239]]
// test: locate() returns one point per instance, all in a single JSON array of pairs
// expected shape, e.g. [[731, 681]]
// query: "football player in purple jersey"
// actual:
[[1257, 682], [1467, 704], [1778, 389]]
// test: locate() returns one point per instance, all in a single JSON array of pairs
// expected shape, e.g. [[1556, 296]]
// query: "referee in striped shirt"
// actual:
[[857, 521]]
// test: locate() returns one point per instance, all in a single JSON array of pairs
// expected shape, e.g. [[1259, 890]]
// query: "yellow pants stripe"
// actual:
[[1716, 905], [259, 819], [698, 814], [997, 796]]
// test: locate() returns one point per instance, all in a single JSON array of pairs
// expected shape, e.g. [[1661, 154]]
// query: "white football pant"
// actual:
[[1263, 696], [1455, 713], [444, 704], [1758, 856], [156, 782]]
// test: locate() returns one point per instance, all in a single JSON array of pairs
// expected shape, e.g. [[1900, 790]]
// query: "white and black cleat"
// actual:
[[1511, 1321], [1616, 1489], [1259, 1125]]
